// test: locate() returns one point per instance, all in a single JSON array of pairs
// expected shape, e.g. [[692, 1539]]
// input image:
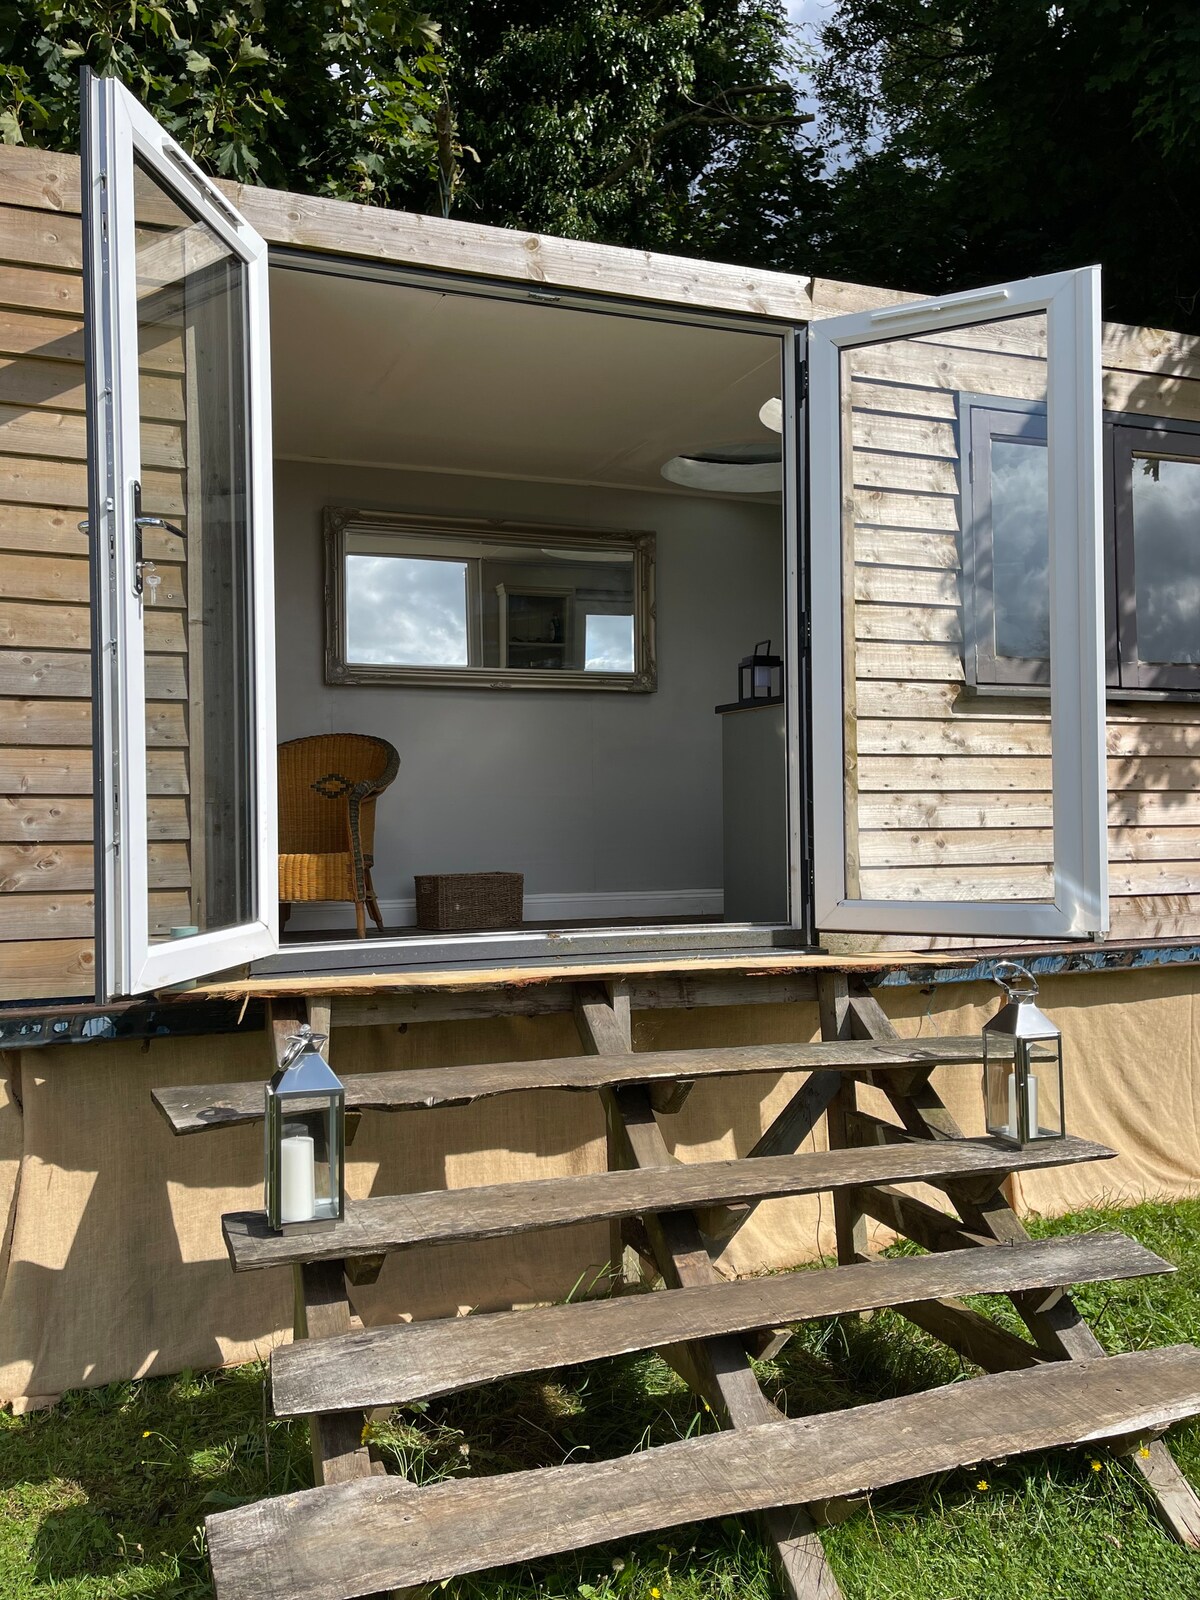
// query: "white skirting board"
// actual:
[[647, 906]]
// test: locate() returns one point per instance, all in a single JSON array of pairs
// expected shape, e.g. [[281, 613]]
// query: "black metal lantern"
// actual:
[[305, 1139], [760, 676], [1022, 1064]]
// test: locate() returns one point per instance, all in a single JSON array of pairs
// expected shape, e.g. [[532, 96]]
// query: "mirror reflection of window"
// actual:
[[607, 643], [1166, 558], [1021, 548], [407, 611], [441, 602]]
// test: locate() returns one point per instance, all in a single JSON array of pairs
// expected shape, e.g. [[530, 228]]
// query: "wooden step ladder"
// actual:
[[354, 1537]]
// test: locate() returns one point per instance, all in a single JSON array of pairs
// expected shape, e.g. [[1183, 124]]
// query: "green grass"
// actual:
[[103, 1496]]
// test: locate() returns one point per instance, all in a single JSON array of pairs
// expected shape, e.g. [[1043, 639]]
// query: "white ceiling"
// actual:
[[385, 374]]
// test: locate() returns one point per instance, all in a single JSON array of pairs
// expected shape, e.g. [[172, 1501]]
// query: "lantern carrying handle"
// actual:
[[303, 1039], [1017, 981]]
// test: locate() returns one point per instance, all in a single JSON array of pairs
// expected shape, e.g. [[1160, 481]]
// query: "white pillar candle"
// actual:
[[297, 1179], [1031, 1105]]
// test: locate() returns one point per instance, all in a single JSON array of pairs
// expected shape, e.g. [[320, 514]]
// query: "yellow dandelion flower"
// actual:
[[365, 1436], [1096, 1466], [146, 1434], [982, 1485], [656, 1594], [1144, 1452]]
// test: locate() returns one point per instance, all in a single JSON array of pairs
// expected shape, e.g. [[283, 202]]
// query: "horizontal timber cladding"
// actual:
[[951, 791], [948, 792], [47, 914]]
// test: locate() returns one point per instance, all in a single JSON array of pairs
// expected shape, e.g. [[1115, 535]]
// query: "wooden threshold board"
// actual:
[[220, 1105], [419, 1360], [755, 963], [355, 1538], [396, 1222]]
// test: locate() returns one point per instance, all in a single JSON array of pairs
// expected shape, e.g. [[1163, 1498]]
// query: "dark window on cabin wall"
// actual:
[[1152, 548]]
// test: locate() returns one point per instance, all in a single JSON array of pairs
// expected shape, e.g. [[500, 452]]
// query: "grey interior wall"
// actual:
[[585, 793]]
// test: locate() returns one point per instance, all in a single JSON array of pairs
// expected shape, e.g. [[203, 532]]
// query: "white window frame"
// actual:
[[1071, 303], [116, 129]]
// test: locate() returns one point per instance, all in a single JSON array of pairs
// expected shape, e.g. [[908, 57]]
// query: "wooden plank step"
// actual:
[[325, 1544], [221, 1105], [418, 1360], [395, 1222]]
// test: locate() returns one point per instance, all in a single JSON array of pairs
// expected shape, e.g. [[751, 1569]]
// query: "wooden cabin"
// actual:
[[277, 466]]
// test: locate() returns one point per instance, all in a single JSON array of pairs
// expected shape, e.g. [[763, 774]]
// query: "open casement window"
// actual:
[[180, 524], [938, 811]]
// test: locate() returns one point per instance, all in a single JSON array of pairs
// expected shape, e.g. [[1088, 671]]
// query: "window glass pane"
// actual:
[[406, 611], [608, 644], [1021, 548], [1166, 558], [200, 706]]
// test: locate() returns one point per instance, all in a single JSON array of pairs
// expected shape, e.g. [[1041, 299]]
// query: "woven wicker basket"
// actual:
[[448, 902]]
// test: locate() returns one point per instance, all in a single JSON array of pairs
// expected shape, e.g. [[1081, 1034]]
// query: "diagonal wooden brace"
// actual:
[[1060, 1332], [716, 1368]]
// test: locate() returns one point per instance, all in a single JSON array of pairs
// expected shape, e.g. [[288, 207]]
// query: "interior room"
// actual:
[[526, 544]]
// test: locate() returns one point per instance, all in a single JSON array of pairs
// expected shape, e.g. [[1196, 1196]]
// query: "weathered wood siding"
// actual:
[[47, 908]]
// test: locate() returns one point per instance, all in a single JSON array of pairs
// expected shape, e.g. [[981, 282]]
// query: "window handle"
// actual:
[[140, 521]]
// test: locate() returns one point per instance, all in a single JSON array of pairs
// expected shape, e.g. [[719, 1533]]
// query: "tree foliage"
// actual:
[[989, 141], [671, 126], [972, 140], [338, 97]]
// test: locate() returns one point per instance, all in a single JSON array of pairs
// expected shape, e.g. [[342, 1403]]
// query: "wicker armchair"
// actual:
[[328, 785]]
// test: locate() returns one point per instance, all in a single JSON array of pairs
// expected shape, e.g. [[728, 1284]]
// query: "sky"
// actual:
[[808, 15]]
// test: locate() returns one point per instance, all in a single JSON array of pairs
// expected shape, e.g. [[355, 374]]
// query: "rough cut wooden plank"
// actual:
[[923, 474], [38, 180], [907, 547], [30, 819], [33, 480], [69, 722], [60, 867], [63, 435], [945, 847], [957, 735], [418, 1360], [729, 969], [879, 508], [931, 775], [29, 625], [41, 528], [47, 916], [917, 436], [327, 1544], [959, 883], [895, 585], [198, 1108], [32, 381], [30, 288], [61, 772], [37, 239], [395, 1222], [47, 968], [653, 991], [916, 624]]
